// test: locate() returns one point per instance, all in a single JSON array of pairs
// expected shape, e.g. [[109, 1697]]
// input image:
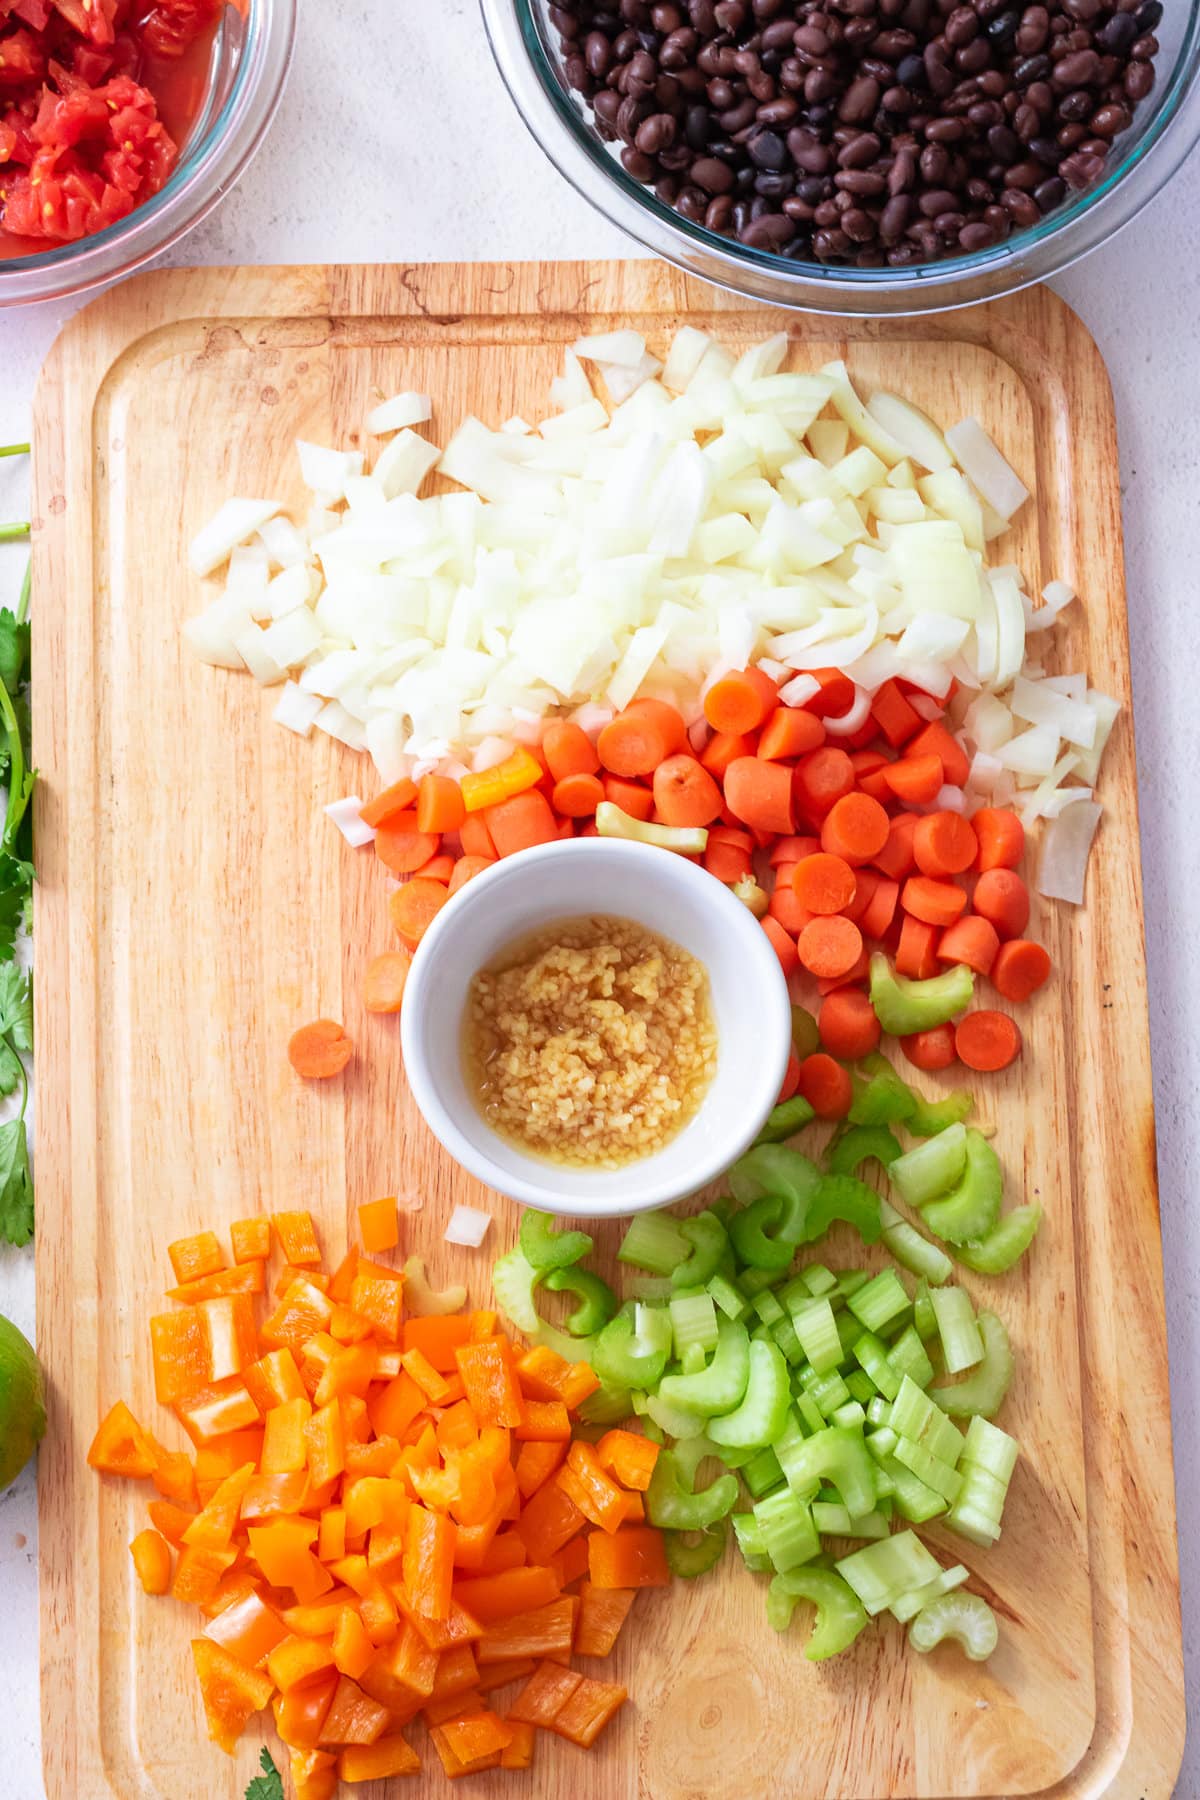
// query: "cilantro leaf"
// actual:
[[268, 1785], [16, 1007], [14, 651], [14, 897], [16, 1210]]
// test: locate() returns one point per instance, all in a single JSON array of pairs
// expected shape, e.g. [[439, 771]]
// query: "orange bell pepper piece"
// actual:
[[429, 1562], [251, 1239], [549, 1519], [571, 1561], [545, 1694], [438, 1338], [174, 1474], [434, 1386], [300, 1713], [588, 1711], [213, 1528], [198, 1572], [273, 1379], [602, 1612], [180, 1350], [121, 1447], [314, 1774], [353, 1717], [631, 1558], [379, 1225], [325, 1444], [294, 1661], [350, 1371], [377, 1293], [490, 1378], [232, 1339], [457, 1671], [170, 1519], [504, 1673], [629, 1458], [151, 1555], [221, 1455], [297, 1238], [249, 1629], [303, 1310], [537, 1462], [391, 1755], [546, 1631], [285, 1449], [502, 1596], [543, 1422], [595, 1494], [476, 1737], [246, 1278], [192, 1257], [217, 1412], [393, 1407], [518, 1754], [230, 1691], [545, 1375]]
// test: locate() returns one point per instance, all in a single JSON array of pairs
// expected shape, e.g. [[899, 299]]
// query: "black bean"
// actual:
[[711, 174], [1149, 16], [1050, 194], [1139, 79]]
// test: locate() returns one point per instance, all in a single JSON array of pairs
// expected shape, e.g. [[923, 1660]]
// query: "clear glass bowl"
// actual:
[[1166, 125], [247, 68]]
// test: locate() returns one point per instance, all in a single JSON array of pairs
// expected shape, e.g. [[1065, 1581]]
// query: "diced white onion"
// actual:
[[1066, 845], [467, 1225], [231, 525], [624, 347], [249, 646], [326, 471], [912, 429], [950, 799], [982, 463], [408, 408], [297, 710], [347, 816]]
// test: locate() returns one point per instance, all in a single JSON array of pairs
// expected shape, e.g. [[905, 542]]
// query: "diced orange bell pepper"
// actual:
[[121, 1447], [251, 1239], [393, 1407], [546, 1631], [217, 1412], [273, 1379], [545, 1694], [595, 1494], [454, 1706], [391, 1755], [245, 1278], [249, 1629], [537, 1461], [545, 1375], [180, 1351], [353, 1717], [151, 1555], [631, 1558], [504, 1673], [353, 1651], [297, 1238], [170, 1519], [457, 1627], [222, 1454], [571, 1561], [230, 1691], [518, 1590], [267, 1496], [377, 1459], [429, 1562], [457, 1671], [602, 1612], [198, 1573], [500, 1552], [452, 1764], [490, 1378], [283, 1551], [351, 1371], [320, 1617], [300, 1713], [519, 1753], [438, 1338], [543, 1422], [290, 1274], [589, 1710], [192, 1257], [314, 1774], [478, 1736], [331, 1541], [285, 1449], [174, 1474], [377, 1293], [628, 1457], [349, 1327], [295, 1661], [338, 1284], [374, 1500], [434, 1386], [379, 1225], [232, 1338], [325, 1444], [549, 1519], [411, 1663], [303, 1310], [213, 1528]]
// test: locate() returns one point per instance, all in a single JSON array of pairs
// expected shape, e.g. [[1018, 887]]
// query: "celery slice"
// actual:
[[689, 1555], [931, 1470], [767, 1306], [785, 1336], [882, 1299], [932, 1116], [810, 1412], [843, 1197], [763, 1412], [754, 1243], [924, 1317], [840, 1614], [806, 1035], [606, 1405], [792, 1178], [984, 1389], [920, 1419], [788, 1533], [748, 1533], [817, 1332], [785, 1120], [859, 1386], [850, 1416], [970, 1210], [903, 1006], [881, 1101], [828, 1392], [832, 1520], [625, 1358], [544, 1248], [931, 1168], [422, 1300], [962, 1341], [882, 1572], [1005, 1244], [513, 1282], [841, 1456], [914, 1501], [693, 1323], [709, 1241], [762, 1472], [654, 1241], [675, 1507], [912, 1251], [597, 1302], [817, 1279], [649, 1287], [987, 1447], [908, 1357], [965, 1617], [860, 1143], [687, 840], [909, 1605], [733, 1304], [879, 1410], [671, 1419], [871, 1355], [718, 1388]]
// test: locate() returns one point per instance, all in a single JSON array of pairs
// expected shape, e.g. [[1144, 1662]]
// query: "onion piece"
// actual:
[[467, 1225], [950, 799], [347, 816], [983, 464], [408, 408], [229, 526], [912, 429], [853, 719], [1038, 704], [800, 691], [297, 710], [1062, 866], [625, 348]]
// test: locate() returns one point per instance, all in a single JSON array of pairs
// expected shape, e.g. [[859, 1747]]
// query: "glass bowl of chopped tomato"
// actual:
[[121, 125]]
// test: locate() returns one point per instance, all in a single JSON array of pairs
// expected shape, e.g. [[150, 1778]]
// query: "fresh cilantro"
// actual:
[[268, 1785], [16, 1186], [16, 889]]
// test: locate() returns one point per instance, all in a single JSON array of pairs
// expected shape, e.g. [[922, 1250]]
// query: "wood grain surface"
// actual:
[[195, 904]]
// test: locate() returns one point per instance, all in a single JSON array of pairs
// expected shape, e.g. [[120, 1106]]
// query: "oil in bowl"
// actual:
[[591, 1042]]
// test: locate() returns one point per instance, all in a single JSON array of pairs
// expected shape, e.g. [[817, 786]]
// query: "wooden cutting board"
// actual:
[[195, 904]]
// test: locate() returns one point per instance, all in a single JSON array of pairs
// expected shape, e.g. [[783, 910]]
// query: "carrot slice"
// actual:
[[987, 1041], [1020, 969], [395, 799], [880, 909], [319, 1050], [790, 732], [915, 779], [728, 852], [385, 980], [577, 796], [820, 780], [935, 740], [826, 1086], [944, 844], [1002, 897], [723, 748], [400, 847], [783, 944], [972, 941], [933, 902], [785, 907], [466, 869], [739, 701], [829, 947], [438, 868], [568, 750], [668, 718], [847, 1023], [834, 696], [521, 822], [895, 715], [824, 883], [439, 804], [760, 793], [413, 908], [685, 793], [896, 859], [1001, 838], [634, 743], [475, 837], [855, 828], [931, 1050]]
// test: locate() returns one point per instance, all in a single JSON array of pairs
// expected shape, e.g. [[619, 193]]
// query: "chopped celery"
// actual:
[[424, 1302], [626, 1360], [598, 1303], [767, 1306], [709, 1241], [692, 1360], [914, 1501], [1005, 1244], [911, 1603], [904, 1007], [881, 1443], [882, 1572], [919, 1418], [806, 1036], [817, 1279], [718, 1388], [788, 1533], [816, 1328], [763, 1412], [840, 1613], [727, 1297], [879, 1410], [930, 1469], [756, 1281], [612, 822], [859, 1143], [545, 1248], [675, 1507], [690, 1554], [827, 1391], [970, 1210], [762, 1472], [841, 1456], [871, 1355], [924, 1317], [882, 1100], [849, 1281], [983, 1391], [908, 1357], [772, 1169], [606, 1405], [848, 1416], [883, 1299], [513, 1282], [962, 1342], [785, 1120], [931, 1168], [911, 1250], [847, 1198], [784, 1333], [987, 1447], [672, 1419], [810, 1412], [690, 1452], [965, 1617], [650, 1287], [693, 1323], [832, 1520], [748, 1532], [932, 1116], [572, 1349], [654, 1241], [751, 1239], [860, 1386]]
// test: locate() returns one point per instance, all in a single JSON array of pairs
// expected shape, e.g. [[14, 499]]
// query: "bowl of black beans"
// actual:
[[866, 156]]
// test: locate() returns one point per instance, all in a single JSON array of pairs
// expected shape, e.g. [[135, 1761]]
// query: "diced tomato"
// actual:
[[174, 24]]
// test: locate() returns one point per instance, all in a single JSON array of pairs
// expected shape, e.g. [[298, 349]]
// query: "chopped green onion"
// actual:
[[962, 1343], [1005, 1244], [970, 1210], [545, 1248], [983, 1391], [654, 1241], [840, 1614], [931, 1168], [882, 1299], [965, 1617]]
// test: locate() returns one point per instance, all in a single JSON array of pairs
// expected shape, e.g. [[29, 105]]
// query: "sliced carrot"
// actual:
[[820, 780], [895, 715], [1001, 838], [438, 868], [870, 772], [521, 822], [792, 849], [1020, 968], [685, 793], [760, 793], [829, 947], [785, 907], [725, 747], [880, 909], [826, 1086], [740, 701], [568, 750], [972, 941], [439, 804], [319, 1050], [475, 837], [855, 828], [400, 847], [631, 796], [634, 743], [790, 732], [896, 859], [1002, 897], [987, 1041], [783, 944], [916, 952], [668, 718], [728, 852], [466, 869], [824, 883], [834, 696], [413, 908], [395, 799], [935, 740], [829, 984], [385, 981], [916, 780], [933, 902], [791, 1079], [847, 1023], [577, 796], [944, 844], [931, 1050]]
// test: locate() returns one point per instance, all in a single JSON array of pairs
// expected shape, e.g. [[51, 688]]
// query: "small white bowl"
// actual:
[[669, 895]]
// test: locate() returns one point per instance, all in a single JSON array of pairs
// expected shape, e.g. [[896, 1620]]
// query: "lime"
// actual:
[[22, 1407]]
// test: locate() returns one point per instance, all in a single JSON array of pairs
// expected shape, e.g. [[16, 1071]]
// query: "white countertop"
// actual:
[[394, 156]]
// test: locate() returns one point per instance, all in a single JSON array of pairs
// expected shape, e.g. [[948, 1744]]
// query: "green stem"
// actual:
[[10, 533], [16, 774], [26, 589], [14, 449]]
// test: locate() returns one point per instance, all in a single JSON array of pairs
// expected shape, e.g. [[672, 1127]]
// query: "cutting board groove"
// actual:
[[194, 904]]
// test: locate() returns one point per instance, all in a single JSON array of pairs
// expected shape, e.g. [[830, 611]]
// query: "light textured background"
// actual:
[[396, 141]]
